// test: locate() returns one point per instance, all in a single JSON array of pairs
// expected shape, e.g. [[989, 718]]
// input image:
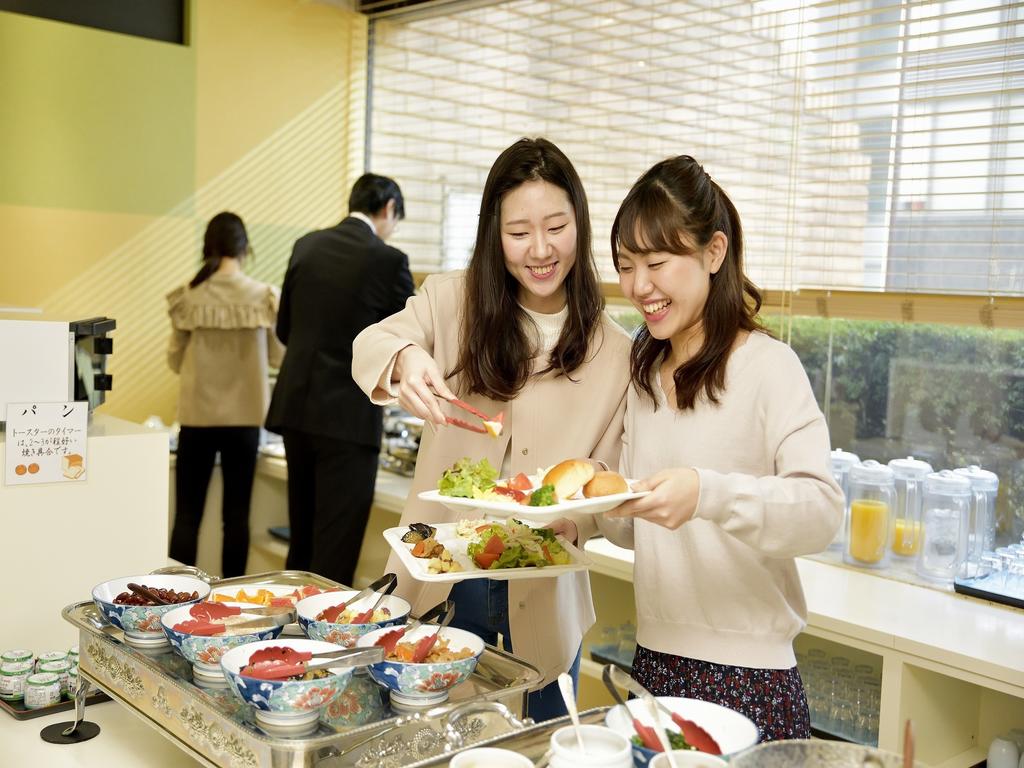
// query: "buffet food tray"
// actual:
[[363, 730]]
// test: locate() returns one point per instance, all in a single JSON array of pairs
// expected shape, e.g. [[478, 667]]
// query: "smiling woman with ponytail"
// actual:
[[222, 345], [722, 425]]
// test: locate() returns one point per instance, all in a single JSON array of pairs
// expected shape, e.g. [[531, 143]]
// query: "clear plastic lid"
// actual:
[[910, 467], [872, 472], [981, 479], [844, 459], [947, 483]]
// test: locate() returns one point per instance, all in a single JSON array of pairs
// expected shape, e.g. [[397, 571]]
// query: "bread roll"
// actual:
[[605, 484], [568, 477]]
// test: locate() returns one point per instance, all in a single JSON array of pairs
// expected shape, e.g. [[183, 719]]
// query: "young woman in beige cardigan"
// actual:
[[722, 424], [521, 330]]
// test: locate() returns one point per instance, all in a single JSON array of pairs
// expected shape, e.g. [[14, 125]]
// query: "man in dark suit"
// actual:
[[339, 281]]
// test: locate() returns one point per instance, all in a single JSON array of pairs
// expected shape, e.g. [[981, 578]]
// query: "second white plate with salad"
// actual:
[[527, 552]]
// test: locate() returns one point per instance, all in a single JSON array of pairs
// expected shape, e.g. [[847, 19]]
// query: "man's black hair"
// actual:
[[371, 193]]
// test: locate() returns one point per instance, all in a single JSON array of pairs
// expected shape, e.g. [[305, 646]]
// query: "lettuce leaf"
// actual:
[[465, 477]]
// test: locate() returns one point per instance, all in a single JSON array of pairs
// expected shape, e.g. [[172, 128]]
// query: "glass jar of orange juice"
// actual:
[[909, 474], [872, 498]]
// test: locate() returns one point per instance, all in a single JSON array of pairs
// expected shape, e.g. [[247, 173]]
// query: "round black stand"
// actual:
[[84, 732]]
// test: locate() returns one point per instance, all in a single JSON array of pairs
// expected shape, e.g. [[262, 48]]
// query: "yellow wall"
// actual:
[[115, 151]]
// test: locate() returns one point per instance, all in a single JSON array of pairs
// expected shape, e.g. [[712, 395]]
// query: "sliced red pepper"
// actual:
[[423, 648], [647, 736], [696, 736], [389, 640], [212, 611]]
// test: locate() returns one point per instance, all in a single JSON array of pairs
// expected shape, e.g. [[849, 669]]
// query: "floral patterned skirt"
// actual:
[[772, 698]]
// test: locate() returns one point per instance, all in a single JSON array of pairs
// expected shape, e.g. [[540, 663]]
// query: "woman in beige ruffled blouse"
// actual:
[[222, 343]]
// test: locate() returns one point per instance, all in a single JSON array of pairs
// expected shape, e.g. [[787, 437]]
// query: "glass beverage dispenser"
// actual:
[[947, 505], [872, 498], [841, 463], [981, 523], [905, 535]]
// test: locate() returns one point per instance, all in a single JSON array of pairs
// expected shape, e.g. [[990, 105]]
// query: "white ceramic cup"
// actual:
[[604, 748], [489, 757], [687, 758], [1002, 753]]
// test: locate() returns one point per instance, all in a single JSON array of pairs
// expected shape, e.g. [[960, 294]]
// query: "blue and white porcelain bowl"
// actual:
[[284, 706], [205, 651], [346, 634], [424, 684], [733, 732], [141, 623]]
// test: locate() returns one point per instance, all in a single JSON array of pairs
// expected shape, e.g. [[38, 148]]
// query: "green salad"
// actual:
[[467, 479], [675, 740], [515, 545]]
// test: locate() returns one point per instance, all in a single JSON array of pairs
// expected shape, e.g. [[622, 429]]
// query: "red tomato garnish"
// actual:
[[484, 559], [494, 546], [520, 482]]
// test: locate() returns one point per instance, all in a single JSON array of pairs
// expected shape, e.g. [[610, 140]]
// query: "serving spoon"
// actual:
[[666, 746], [569, 696]]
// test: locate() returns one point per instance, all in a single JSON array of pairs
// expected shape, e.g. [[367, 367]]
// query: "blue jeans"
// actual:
[[481, 607]]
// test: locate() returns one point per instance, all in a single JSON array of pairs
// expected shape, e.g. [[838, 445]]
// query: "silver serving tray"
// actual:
[[215, 728]]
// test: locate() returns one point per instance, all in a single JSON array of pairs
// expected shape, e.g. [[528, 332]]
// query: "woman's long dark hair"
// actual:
[[225, 236], [495, 352], [676, 208]]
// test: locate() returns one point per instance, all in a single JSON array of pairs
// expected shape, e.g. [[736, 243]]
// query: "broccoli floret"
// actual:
[[543, 496]]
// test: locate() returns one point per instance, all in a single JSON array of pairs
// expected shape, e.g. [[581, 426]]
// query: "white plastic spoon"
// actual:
[[569, 695]]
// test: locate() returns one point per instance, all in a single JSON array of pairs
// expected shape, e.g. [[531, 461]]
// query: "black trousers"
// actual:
[[330, 492], [197, 449]]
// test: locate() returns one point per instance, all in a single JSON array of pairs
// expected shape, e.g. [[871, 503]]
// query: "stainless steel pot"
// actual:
[[798, 753]]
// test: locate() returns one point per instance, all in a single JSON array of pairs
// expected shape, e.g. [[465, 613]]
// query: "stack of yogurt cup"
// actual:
[[38, 681]]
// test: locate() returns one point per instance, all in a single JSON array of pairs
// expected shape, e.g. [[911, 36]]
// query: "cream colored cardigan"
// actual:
[[552, 419], [222, 343]]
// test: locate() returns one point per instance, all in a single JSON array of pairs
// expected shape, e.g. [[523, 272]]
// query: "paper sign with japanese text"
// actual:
[[45, 442]]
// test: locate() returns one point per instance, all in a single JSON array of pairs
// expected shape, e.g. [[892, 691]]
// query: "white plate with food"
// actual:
[[570, 487], [478, 549]]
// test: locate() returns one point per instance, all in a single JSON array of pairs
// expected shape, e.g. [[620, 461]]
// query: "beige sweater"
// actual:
[[724, 586], [222, 343], [553, 418]]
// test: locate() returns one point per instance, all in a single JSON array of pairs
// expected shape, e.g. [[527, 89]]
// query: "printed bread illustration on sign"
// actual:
[[71, 466]]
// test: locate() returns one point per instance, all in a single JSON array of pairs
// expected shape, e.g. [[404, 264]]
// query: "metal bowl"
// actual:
[[797, 753]]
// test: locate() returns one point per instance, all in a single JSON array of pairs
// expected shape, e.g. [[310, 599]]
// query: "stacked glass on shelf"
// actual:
[[942, 521], [617, 644], [843, 698]]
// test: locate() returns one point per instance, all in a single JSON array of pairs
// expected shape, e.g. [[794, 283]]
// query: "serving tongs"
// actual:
[[281, 662], [389, 640], [207, 618], [492, 427], [387, 583], [695, 736]]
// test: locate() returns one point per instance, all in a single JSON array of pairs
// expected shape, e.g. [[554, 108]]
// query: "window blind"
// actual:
[[868, 144]]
